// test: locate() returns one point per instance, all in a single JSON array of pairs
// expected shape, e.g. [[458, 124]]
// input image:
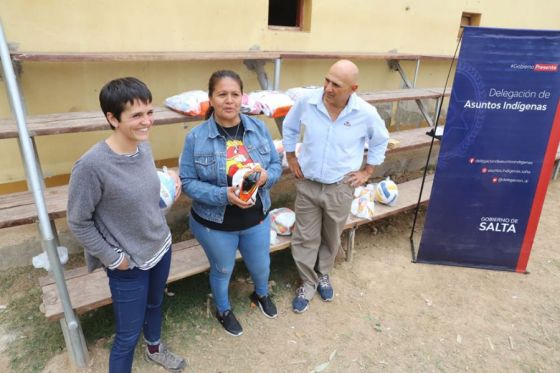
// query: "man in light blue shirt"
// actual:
[[336, 125]]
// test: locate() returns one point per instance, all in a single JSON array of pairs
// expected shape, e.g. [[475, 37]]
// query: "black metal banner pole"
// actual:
[[432, 133]]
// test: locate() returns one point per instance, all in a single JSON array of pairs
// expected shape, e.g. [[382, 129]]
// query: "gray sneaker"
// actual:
[[167, 359]]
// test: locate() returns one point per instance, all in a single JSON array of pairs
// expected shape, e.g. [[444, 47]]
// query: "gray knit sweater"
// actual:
[[113, 206]]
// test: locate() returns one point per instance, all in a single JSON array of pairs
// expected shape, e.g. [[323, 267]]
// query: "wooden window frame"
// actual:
[[468, 19], [303, 18]]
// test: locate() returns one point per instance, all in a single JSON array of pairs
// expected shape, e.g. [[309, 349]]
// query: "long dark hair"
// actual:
[[215, 78]]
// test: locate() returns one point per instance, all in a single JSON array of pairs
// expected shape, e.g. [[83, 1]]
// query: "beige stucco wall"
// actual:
[[415, 26]]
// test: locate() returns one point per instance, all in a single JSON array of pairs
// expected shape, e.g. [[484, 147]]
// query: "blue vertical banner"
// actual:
[[497, 151]]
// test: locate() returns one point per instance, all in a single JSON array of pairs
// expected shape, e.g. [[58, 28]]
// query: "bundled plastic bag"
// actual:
[[273, 237], [166, 190], [245, 180], [363, 205], [272, 103], [191, 103], [42, 260], [249, 105], [279, 149], [282, 221]]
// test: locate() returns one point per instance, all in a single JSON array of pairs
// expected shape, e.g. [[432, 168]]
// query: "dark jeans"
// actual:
[[137, 297]]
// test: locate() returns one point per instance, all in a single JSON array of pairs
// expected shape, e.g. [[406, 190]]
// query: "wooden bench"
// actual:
[[89, 291], [408, 198], [215, 55], [19, 208], [253, 59], [61, 123], [142, 56]]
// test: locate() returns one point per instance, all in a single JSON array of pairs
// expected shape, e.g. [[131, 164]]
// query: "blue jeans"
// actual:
[[220, 248], [137, 297]]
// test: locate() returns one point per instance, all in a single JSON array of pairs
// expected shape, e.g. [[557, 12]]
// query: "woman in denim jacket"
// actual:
[[224, 217]]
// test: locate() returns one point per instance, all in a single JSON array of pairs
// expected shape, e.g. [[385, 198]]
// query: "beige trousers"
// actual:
[[321, 213]]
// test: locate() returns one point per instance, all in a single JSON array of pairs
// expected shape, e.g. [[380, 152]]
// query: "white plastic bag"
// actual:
[[42, 261], [191, 103], [363, 205], [273, 104], [273, 237], [282, 221]]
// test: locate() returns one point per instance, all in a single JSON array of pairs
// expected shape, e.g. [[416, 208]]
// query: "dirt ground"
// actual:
[[391, 315]]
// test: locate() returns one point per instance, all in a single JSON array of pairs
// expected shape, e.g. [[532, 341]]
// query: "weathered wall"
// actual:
[[428, 26]]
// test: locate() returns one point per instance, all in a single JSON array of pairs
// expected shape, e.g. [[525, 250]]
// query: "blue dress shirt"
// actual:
[[331, 149]]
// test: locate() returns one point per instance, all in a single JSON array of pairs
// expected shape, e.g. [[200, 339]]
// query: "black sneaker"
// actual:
[[265, 304], [230, 323]]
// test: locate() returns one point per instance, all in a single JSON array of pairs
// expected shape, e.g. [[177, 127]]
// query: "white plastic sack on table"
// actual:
[[282, 221], [363, 205]]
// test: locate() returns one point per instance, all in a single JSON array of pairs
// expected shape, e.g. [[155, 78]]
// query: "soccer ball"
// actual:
[[166, 190], [386, 192]]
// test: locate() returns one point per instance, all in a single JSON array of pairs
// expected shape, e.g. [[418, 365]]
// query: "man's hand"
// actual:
[[294, 165], [357, 178]]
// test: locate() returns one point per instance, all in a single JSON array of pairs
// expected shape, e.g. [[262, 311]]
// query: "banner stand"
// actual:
[[495, 162], [433, 134]]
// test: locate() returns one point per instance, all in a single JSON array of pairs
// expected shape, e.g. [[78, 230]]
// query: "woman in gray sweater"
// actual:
[[113, 210]]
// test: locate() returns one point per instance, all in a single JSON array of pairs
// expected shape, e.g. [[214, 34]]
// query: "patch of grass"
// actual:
[[185, 313], [7, 279], [35, 336]]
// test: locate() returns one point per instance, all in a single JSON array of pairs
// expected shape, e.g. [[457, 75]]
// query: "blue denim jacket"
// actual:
[[202, 166]]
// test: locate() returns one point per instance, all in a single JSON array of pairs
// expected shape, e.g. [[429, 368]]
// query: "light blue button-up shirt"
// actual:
[[330, 149]]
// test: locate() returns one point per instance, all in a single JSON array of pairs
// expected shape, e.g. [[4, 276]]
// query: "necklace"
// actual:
[[230, 138]]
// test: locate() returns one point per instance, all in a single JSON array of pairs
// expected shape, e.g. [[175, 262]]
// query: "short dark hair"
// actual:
[[215, 79], [114, 95]]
